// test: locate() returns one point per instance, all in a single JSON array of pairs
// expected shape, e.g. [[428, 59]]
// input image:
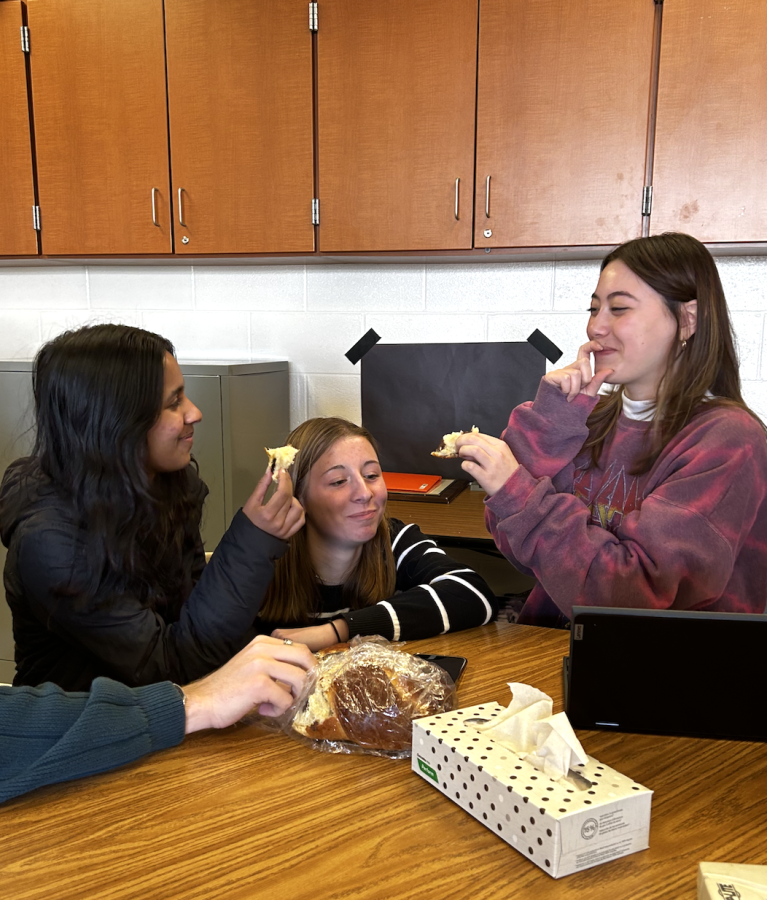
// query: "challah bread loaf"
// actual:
[[370, 694]]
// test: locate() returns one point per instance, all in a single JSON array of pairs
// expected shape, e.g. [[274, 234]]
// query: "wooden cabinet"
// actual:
[[17, 190], [396, 98], [562, 113], [710, 168], [98, 89], [241, 131]]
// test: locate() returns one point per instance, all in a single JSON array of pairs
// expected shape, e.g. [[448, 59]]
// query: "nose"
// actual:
[[362, 491], [192, 414], [599, 324]]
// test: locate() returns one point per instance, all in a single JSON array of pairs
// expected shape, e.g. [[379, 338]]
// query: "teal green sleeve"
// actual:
[[48, 735]]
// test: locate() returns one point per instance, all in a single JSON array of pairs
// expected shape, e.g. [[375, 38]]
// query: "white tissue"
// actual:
[[527, 726]]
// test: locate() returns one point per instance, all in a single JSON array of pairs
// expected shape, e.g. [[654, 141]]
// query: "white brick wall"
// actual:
[[311, 315]]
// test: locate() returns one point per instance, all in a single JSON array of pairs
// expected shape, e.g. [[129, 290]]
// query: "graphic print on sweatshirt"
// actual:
[[609, 496]]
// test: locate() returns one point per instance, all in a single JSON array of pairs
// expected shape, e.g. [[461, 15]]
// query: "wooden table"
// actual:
[[242, 814], [463, 517]]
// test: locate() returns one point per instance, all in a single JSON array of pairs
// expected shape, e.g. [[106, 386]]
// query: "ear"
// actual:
[[689, 319]]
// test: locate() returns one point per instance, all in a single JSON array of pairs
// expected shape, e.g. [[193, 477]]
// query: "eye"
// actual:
[[372, 476], [618, 309], [338, 483], [174, 404], [593, 310]]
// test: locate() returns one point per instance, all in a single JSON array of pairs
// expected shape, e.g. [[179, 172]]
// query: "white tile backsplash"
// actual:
[[744, 279], [755, 395], [313, 342], [53, 322], [19, 334], [566, 330], [370, 288], [334, 395], [748, 336], [130, 287], [489, 287], [43, 288], [574, 283], [249, 287], [202, 335], [311, 315], [432, 328]]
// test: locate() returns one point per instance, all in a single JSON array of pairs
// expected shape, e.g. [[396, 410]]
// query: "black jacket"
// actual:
[[61, 638]]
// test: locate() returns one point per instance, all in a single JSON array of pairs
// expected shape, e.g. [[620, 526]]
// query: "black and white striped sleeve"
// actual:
[[435, 594]]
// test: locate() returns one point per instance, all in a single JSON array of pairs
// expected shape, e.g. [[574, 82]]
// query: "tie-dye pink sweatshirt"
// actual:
[[689, 534]]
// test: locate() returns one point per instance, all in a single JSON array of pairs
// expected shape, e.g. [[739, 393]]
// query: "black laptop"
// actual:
[[700, 674]]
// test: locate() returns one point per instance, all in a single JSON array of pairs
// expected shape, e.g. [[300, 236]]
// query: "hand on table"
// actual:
[[487, 459], [578, 377], [267, 674], [316, 637], [283, 515]]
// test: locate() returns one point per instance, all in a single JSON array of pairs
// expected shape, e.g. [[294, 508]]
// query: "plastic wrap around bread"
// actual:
[[364, 699]]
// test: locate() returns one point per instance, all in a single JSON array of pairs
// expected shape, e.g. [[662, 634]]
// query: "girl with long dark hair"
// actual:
[[654, 493], [351, 570], [106, 570]]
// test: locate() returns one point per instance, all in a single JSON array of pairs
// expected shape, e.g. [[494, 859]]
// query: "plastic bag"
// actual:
[[363, 700]]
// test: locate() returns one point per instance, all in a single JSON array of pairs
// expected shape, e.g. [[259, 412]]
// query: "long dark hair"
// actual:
[[680, 269], [293, 594], [98, 391]]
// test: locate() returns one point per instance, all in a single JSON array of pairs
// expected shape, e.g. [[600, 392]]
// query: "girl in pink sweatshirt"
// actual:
[[653, 493]]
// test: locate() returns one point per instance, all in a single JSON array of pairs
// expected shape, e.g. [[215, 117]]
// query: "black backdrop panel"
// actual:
[[412, 394]]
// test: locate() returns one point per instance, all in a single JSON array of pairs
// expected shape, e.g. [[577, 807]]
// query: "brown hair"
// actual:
[[293, 595], [680, 269]]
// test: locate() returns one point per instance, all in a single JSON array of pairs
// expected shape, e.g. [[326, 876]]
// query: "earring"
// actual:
[[684, 344]]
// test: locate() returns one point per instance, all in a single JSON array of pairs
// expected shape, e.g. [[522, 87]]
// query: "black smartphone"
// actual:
[[453, 665]]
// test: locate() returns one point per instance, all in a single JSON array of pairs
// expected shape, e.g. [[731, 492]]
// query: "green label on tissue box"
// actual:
[[427, 770]]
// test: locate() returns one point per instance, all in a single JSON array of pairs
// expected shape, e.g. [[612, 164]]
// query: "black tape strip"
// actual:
[[362, 346], [543, 345]]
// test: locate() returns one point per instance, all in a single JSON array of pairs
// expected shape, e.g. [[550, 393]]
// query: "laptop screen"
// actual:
[[668, 672]]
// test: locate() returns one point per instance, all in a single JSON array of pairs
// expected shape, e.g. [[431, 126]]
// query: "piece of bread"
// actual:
[[446, 449], [280, 458], [369, 695]]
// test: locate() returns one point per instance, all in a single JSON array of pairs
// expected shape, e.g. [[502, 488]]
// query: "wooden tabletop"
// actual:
[[463, 517], [240, 814]]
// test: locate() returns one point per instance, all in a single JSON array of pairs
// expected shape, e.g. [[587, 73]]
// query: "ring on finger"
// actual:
[[287, 641]]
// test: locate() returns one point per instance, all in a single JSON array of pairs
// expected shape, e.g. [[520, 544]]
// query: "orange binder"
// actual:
[[404, 481]]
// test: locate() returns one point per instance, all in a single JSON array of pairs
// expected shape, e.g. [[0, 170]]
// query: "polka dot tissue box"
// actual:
[[563, 822]]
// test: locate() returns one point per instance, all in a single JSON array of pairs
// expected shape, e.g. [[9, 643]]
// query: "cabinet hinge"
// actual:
[[315, 211], [312, 17], [24, 39], [36, 218], [647, 200]]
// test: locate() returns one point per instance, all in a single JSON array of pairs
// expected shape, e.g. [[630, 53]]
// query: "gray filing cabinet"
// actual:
[[245, 407]]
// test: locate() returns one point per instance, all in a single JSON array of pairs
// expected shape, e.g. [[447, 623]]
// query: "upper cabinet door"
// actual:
[[710, 171], [396, 89], [241, 130], [562, 115], [17, 191], [98, 90]]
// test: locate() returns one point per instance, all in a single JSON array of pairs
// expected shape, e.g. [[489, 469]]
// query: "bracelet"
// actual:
[[336, 631], [181, 692]]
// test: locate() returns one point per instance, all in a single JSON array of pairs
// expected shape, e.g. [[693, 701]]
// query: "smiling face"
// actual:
[[169, 441], [345, 495], [636, 329]]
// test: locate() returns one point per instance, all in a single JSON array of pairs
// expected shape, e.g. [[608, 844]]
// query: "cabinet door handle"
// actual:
[[180, 209], [457, 183], [154, 209], [487, 198]]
